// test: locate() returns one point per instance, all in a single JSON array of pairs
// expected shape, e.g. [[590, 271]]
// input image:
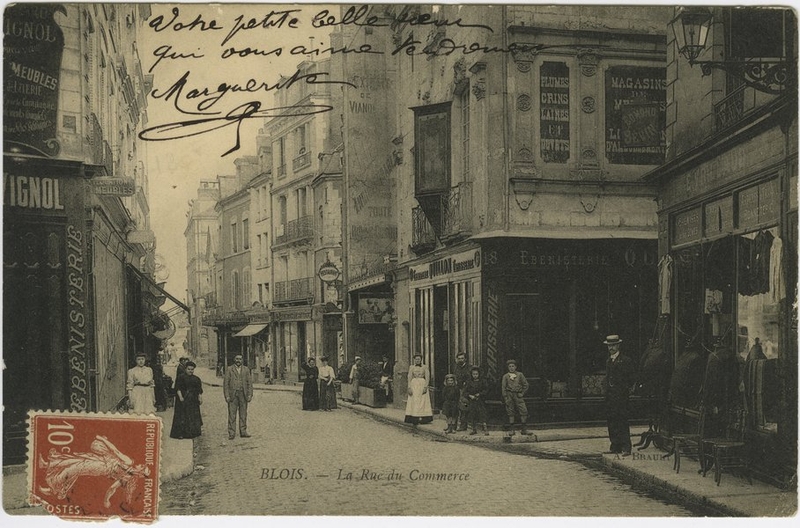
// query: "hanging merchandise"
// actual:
[[777, 287], [664, 283]]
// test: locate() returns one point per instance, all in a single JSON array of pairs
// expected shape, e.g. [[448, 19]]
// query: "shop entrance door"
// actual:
[[440, 343]]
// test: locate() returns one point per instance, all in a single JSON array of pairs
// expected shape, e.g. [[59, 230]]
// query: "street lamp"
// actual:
[[691, 27]]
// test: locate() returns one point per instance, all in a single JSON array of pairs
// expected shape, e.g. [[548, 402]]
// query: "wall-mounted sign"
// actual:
[[141, 236], [32, 48], [328, 272], [688, 226], [375, 308], [636, 115], [554, 112], [466, 261], [114, 186]]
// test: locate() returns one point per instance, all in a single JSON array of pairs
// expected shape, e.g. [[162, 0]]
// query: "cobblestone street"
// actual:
[[298, 463]]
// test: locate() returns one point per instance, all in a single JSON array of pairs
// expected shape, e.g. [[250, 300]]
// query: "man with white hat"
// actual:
[[618, 384]]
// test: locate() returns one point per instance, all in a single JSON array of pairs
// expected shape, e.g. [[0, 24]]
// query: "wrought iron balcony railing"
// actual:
[[734, 107], [295, 231], [423, 237], [301, 162], [294, 290], [457, 211]]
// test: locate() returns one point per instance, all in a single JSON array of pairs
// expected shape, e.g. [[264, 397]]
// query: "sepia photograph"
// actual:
[[376, 263]]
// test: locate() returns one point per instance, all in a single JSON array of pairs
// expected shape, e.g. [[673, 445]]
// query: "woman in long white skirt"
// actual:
[[418, 406], [141, 383]]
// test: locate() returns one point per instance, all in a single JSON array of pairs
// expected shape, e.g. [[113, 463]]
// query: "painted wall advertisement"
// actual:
[[636, 115], [369, 157], [554, 112], [32, 48]]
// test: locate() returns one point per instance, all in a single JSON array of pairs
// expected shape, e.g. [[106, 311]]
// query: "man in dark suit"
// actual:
[[238, 390], [620, 377], [462, 373]]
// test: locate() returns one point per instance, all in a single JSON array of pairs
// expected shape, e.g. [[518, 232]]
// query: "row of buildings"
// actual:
[[519, 185], [80, 296]]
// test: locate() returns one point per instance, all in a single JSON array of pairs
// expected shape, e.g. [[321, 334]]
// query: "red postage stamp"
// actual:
[[94, 466]]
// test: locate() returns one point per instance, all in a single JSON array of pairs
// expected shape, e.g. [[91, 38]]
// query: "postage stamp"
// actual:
[[94, 466]]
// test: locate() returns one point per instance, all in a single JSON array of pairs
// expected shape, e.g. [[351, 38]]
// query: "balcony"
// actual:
[[298, 230], [294, 290], [457, 212], [423, 239], [734, 107], [301, 162]]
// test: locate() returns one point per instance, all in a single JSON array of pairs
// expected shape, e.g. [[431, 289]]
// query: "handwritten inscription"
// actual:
[[240, 37]]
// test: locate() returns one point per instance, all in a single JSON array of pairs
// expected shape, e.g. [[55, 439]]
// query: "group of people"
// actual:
[[187, 421], [465, 389], [319, 391], [464, 397]]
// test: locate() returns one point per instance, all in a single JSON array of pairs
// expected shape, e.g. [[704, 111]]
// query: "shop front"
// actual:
[[293, 335], [549, 303], [445, 304], [731, 246], [47, 315]]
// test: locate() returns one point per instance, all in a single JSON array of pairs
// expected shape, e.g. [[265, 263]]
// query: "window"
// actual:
[[246, 233], [432, 148], [260, 250], [236, 294], [258, 204], [246, 286], [464, 103], [302, 139], [301, 202], [234, 237], [756, 32], [282, 208], [265, 252], [281, 157], [261, 294]]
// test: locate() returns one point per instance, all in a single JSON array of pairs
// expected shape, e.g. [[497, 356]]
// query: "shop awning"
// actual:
[[155, 290], [250, 330]]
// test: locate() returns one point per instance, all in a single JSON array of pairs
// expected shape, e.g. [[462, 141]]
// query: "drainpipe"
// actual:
[[506, 124]]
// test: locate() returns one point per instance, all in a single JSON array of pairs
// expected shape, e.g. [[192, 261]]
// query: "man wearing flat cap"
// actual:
[[618, 384]]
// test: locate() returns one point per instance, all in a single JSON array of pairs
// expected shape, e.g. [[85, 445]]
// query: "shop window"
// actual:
[[719, 270], [688, 293], [757, 331]]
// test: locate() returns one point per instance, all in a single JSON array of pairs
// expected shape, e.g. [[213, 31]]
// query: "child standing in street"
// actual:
[[475, 390], [450, 395], [514, 386]]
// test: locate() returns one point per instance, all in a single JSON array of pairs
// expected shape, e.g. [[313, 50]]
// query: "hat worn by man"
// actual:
[[356, 358], [612, 340], [511, 362]]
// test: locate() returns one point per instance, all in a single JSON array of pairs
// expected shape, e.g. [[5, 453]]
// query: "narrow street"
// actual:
[[298, 463]]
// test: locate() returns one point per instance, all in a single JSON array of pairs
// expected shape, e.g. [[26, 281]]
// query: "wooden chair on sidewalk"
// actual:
[[727, 453]]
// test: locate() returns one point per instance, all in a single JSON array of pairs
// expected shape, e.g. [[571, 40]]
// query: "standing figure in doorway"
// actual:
[[619, 384], [311, 385], [141, 384], [418, 406], [238, 390]]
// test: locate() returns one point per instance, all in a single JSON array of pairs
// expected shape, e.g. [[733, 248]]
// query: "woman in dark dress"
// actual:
[[187, 422], [311, 386]]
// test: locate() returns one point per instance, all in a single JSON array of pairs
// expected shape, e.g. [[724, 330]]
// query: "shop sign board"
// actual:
[[32, 48], [719, 216], [114, 186], [635, 115], [467, 261], [687, 227], [554, 112], [328, 272], [292, 314], [759, 204]]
